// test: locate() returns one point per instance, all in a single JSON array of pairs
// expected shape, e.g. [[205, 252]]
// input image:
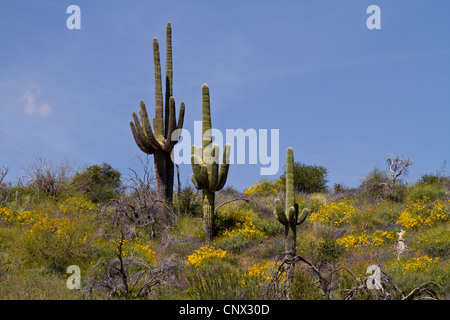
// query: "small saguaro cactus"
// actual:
[[205, 164], [160, 140], [289, 217]]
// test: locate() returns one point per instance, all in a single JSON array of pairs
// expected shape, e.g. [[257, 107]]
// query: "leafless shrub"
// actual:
[[3, 186], [43, 176], [129, 277], [327, 282]]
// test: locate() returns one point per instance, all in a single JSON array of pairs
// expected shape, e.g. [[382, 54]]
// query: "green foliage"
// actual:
[[304, 287], [189, 202], [97, 183], [308, 178], [436, 243], [421, 191]]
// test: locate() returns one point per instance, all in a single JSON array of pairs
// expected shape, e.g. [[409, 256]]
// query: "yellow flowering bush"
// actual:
[[136, 247], [419, 264], [76, 205], [423, 212], [335, 213], [24, 217], [263, 187], [204, 254], [363, 240], [62, 228], [261, 270], [245, 227]]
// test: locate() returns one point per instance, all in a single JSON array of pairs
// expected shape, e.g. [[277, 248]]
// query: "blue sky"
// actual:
[[342, 96]]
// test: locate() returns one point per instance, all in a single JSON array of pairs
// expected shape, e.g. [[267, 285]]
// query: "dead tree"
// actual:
[[398, 166]]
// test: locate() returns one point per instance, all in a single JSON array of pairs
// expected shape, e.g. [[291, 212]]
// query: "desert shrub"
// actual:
[[335, 213], [376, 239], [205, 255], [313, 201], [264, 187], [97, 183], [424, 213], [76, 205], [378, 186], [242, 235], [42, 176], [269, 227], [436, 242], [324, 251], [220, 278], [384, 212], [308, 178], [304, 287], [425, 191], [57, 242], [189, 202]]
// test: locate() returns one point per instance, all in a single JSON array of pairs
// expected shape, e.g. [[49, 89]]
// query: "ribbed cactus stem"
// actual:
[[289, 216], [290, 195], [207, 175], [208, 214]]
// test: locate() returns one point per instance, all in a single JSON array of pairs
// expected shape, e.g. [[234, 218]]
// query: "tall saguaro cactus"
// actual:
[[159, 141], [205, 164], [289, 217]]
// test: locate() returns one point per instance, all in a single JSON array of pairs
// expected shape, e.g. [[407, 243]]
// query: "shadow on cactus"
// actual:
[[205, 164], [164, 136]]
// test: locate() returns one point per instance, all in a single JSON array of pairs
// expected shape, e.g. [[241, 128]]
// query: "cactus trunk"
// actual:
[[208, 214], [164, 173]]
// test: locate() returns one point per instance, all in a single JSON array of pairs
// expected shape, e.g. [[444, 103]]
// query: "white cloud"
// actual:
[[31, 106]]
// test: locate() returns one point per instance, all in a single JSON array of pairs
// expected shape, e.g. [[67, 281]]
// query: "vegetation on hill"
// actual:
[[128, 246]]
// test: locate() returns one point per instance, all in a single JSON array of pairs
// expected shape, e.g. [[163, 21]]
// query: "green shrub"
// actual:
[[436, 242], [97, 183], [303, 286], [189, 202], [422, 191], [308, 178]]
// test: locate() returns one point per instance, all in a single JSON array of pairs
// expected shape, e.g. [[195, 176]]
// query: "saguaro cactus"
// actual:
[[290, 217], [159, 141], [205, 165]]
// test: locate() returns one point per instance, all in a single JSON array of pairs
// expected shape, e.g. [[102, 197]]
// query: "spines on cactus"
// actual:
[[207, 175]]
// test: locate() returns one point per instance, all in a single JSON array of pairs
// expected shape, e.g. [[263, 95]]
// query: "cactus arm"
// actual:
[[168, 145], [279, 213], [214, 171], [204, 175], [147, 127], [293, 212], [158, 122], [181, 116], [303, 216], [138, 141], [140, 132], [196, 168], [224, 166], [195, 182]]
